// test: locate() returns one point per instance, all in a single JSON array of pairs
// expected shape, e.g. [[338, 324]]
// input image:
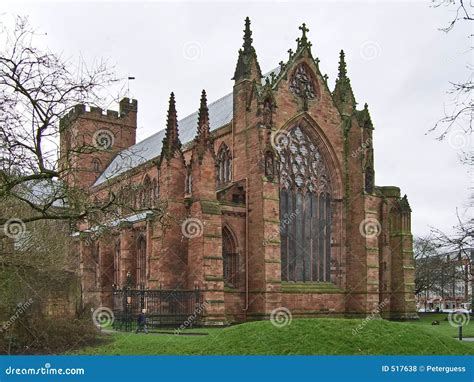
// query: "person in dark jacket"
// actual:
[[141, 322]]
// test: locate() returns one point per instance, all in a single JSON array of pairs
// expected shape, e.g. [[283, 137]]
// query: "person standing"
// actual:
[[141, 322]]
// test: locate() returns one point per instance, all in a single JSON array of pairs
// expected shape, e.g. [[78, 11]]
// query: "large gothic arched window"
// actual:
[[305, 209]]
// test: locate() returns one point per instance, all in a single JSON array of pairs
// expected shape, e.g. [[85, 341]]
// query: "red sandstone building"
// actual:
[[270, 200]]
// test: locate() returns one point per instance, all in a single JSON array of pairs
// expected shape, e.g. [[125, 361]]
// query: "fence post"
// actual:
[[142, 300], [128, 310]]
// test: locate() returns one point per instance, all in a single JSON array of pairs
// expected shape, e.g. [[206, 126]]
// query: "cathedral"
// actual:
[[269, 199]]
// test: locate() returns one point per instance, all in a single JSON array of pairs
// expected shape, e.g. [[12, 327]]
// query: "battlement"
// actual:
[[126, 106]]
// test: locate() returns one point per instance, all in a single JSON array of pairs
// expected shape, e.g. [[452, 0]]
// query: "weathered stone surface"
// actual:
[[371, 264]]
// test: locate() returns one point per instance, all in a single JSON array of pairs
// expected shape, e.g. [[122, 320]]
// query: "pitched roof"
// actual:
[[220, 114]]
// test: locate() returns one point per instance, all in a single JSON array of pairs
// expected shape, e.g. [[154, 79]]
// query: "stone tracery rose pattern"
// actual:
[[301, 83], [301, 164]]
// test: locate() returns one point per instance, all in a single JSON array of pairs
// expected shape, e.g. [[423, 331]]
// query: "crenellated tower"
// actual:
[[89, 139]]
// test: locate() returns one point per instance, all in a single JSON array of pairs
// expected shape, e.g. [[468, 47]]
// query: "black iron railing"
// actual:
[[163, 308]]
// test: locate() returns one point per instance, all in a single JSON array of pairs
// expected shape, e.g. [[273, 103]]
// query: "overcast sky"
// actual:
[[398, 61]]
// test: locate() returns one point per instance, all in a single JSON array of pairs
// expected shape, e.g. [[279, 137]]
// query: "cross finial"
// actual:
[[304, 30]]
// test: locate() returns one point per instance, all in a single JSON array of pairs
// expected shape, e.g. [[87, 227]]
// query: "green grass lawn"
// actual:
[[302, 336], [444, 327]]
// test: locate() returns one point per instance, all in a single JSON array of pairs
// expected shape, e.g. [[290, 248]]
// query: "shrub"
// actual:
[[47, 335]]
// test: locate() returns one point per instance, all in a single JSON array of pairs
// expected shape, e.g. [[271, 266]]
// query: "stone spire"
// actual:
[[203, 131], [363, 116], [203, 140], [404, 205], [247, 36], [342, 66], [343, 95], [171, 142], [247, 63]]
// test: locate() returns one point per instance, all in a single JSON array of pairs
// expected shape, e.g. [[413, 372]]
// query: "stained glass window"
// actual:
[[305, 210]]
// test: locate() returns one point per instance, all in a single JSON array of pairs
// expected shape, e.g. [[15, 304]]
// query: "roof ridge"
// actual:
[[180, 120], [130, 158]]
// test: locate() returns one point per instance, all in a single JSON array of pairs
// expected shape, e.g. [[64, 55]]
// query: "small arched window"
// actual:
[[141, 262], [96, 259], [188, 183], [96, 165], [155, 190], [224, 165], [369, 180], [117, 263], [231, 259], [147, 192]]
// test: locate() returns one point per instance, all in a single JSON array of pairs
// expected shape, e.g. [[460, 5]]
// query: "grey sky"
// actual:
[[398, 62]]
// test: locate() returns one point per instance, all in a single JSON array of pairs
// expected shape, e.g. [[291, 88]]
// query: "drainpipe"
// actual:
[[246, 247], [246, 226]]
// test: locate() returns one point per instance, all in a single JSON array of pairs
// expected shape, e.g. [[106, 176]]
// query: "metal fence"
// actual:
[[164, 308]]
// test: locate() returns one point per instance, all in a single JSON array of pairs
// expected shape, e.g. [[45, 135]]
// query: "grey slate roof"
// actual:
[[220, 114]]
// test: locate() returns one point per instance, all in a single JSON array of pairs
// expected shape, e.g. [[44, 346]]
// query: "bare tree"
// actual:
[[461, 112], [37, 89], [461, 245], [428, 265]]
